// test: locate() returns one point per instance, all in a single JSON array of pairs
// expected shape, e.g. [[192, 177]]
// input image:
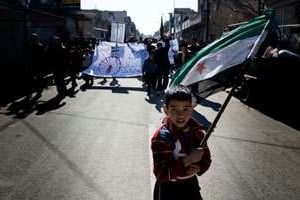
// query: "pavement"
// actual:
[[254, 155]]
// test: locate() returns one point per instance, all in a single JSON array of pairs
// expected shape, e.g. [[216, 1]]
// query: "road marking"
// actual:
[[151, 129]]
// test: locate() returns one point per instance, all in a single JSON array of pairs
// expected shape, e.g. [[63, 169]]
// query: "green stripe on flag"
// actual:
[[252, 28]]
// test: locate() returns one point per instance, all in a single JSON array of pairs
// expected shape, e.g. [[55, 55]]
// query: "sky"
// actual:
[[146, 14]]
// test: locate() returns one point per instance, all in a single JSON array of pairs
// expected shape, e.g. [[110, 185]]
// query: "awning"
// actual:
[[100, 29]]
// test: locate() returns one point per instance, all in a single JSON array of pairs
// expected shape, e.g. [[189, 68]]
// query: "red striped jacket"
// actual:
[[169, 147]]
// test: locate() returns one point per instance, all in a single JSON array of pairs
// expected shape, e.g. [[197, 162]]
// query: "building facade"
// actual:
[[209, 22], [21, 18], [287, 12], [98, 24]]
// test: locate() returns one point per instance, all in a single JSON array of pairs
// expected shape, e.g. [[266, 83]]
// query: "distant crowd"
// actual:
[[164, 60], [57, 60], [60, 62]]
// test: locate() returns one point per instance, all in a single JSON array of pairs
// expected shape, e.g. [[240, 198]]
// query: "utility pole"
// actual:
[[174, 19], [171, 24]]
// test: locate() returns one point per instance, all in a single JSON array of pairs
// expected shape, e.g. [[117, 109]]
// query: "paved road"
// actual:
[[96, 146], [254, 157]]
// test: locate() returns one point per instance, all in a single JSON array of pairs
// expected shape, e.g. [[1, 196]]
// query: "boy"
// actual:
[[149, 72], [177, 156]]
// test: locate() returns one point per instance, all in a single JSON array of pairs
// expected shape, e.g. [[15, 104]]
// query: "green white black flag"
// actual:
[[230, 50]]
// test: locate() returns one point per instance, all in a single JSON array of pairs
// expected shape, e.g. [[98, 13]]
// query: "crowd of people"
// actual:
[[62, 62], [164, 60], [58, 60]]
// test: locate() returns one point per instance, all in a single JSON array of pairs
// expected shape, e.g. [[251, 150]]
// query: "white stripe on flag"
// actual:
[[218, 61]]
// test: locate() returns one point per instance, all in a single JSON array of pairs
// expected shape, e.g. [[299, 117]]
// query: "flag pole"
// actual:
[[224, 105], [213, 125]]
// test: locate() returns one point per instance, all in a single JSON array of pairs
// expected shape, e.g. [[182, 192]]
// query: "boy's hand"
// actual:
[[192, 169], [194, 156]]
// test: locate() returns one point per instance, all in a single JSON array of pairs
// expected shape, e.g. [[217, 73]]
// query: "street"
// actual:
[[97, 146]]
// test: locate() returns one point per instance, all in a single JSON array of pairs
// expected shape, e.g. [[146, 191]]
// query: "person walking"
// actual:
[[57, 55], [162, 59], [149, 72], [35, 55]]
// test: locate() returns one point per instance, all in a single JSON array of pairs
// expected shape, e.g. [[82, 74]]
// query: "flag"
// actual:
[[221, 55]]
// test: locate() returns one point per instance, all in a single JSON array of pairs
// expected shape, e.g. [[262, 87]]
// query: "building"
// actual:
[[52, 17], [287, 12], [288, 15], [21, 18], [209, 22], [235, 12], [12, 33], [183, 19], [98, 23]]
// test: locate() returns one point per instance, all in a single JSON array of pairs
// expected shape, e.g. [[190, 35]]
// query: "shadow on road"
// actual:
[[157, 100], [208, 103], [22, 107], [52, 104], [21, 97], [201, 119], [27, 105], [116, 89]]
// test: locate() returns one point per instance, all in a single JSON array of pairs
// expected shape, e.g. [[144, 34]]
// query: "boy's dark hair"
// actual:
[[178, 92]]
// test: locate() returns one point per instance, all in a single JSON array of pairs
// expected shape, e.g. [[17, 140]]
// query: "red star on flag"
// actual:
[[200, 67]]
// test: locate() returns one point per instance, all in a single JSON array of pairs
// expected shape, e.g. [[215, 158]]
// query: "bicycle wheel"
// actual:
[[110, 65]]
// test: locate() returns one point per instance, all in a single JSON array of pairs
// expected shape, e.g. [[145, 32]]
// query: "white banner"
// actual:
[[123, 60], [117, 32], [174, 48]]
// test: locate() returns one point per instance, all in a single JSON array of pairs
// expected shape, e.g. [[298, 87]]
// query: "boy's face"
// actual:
[[179, 112]]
